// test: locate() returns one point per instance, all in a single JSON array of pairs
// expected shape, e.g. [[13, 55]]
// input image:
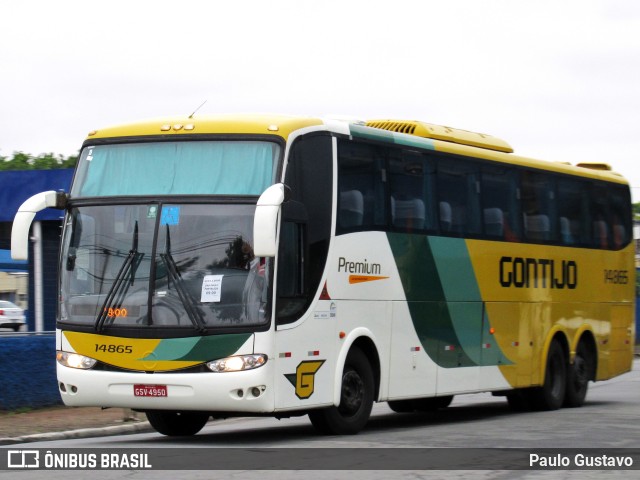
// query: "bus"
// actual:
[[222, 266]]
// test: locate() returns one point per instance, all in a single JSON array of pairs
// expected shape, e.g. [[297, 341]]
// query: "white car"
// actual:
[[11, 316]]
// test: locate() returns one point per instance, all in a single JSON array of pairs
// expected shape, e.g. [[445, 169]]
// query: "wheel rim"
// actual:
[[352, 394]]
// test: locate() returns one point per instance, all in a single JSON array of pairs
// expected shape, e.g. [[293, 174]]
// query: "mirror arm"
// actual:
[[25, 215]]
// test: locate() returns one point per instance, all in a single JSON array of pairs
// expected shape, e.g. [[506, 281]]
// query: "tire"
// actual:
[[578, 375], [551, 395], [432, 404], [401, 406], [356, 399], [177, 424]]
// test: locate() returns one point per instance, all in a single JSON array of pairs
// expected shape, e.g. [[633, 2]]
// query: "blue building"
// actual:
[[42, 266]]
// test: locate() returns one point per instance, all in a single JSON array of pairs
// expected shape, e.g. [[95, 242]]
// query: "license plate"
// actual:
[[149, 390]]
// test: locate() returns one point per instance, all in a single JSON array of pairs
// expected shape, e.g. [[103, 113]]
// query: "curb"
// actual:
[[138, 427]]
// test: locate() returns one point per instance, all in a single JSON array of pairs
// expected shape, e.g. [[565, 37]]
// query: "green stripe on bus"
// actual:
[[426, 299], [461, 292], [455, 270], [198, 348], [444, 298]]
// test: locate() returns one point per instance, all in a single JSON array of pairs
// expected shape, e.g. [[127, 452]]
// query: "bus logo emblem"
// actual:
[[23, 459], [304, 378]]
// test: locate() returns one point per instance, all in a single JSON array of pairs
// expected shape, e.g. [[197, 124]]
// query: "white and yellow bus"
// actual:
[[258, 265]]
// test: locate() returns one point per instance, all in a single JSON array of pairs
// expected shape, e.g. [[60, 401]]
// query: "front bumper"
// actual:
[[248, 391]]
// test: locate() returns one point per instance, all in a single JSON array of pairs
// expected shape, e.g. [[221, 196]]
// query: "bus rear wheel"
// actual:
[[177, 424], [551, 395], [356, 399], [578, 376]]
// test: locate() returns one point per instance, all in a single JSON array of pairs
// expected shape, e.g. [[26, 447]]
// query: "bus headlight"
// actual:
[[237, 363], [74, 360]]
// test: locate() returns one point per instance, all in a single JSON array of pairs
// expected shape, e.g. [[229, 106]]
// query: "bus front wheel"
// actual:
[[356, 399], [176, 424]]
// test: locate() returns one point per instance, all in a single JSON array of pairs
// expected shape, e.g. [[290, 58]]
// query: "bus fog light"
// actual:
[[74, 360], [237, 363]]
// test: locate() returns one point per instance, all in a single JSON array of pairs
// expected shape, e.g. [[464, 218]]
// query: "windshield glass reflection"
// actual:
[[189, 266]]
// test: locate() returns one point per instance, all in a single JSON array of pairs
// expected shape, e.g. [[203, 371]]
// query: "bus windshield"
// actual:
[[224, 167], [186, 266]]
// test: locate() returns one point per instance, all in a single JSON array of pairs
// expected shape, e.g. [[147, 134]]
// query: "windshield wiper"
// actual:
[[121, 283], [185, 297]]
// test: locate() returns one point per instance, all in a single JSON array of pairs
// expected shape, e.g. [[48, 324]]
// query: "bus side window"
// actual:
[[600, 221], [600, 233], [445, 217], [501, 209], [407, 213], [351, 209], [458, 187], [620, 216], [361, 192], [494, 222], [411, 191], [573, 212], [537, 227], [538, 207]]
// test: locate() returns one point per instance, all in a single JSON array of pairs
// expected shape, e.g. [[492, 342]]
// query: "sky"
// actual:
[[557, 79]]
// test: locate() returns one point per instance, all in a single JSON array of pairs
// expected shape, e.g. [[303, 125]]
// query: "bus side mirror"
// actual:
[[265, 222], [25, 215]]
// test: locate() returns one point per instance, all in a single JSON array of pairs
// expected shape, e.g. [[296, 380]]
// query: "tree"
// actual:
[[636, 211], [44, 161]]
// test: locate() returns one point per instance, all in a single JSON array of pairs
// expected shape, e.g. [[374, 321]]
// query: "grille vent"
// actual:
[[400, 127]]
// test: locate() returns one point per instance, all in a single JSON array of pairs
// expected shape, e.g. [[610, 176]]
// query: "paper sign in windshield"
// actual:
[[211, 288]]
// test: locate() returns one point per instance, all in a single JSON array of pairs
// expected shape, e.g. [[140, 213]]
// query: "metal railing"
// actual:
[[8, 333]]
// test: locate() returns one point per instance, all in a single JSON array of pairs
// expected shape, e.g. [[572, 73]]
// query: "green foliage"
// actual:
[[636, 211], [44, 161]]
